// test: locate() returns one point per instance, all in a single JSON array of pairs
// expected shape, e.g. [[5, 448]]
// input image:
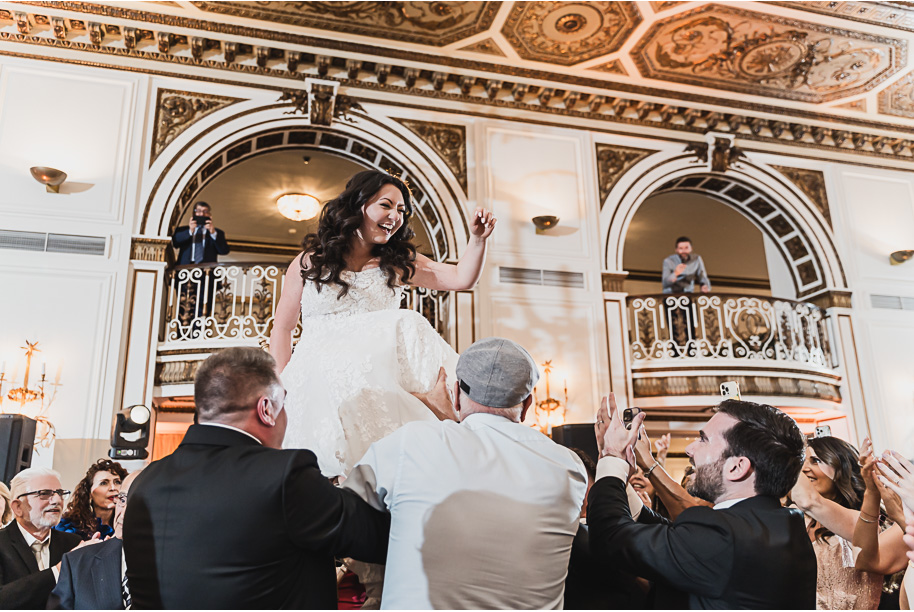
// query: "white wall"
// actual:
[[873, 211], [81, 121]]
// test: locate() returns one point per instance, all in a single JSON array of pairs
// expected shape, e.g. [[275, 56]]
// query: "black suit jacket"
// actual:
[[22, 586], [224, 522], [183, 240], [90, 578], [754, 554]]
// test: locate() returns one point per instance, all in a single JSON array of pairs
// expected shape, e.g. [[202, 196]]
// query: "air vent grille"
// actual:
[[892, 302], [52, 243], [547, 278]]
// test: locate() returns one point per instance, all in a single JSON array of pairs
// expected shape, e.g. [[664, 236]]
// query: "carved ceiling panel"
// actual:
[[898, 98], [429, 23], [739, 50], [567, 33]]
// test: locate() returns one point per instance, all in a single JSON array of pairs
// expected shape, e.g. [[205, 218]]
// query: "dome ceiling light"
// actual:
[[298, 206]]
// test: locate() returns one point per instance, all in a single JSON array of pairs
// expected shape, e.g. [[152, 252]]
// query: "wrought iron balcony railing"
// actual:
[[234, 303], [720, 328]]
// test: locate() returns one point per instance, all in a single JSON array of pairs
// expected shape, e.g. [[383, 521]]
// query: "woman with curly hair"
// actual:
[[830, 491], [91, 510], [352, 377]]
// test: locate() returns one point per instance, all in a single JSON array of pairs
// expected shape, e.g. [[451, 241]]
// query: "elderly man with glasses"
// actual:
[[30, 547]]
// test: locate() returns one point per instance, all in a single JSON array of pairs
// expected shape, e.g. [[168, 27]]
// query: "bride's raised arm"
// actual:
[[286, 316], [449, 277]]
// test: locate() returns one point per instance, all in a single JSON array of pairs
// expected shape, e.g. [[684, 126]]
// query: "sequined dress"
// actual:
[[352, 373], [839, 586]]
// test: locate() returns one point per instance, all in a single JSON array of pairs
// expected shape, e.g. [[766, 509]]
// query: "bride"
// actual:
[[360, 359]]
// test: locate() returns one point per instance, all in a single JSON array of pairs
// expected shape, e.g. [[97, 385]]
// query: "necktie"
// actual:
[[125, 594], [38, 551], [198, 245]]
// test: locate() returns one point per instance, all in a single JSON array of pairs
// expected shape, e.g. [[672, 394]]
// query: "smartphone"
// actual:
[[628, 415], [823, 431], [730, 390]]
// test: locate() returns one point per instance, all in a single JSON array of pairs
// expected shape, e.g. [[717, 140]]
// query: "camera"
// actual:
[[200, 220]]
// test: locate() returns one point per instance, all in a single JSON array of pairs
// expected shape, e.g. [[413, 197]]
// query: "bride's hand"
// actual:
[[483, 223]]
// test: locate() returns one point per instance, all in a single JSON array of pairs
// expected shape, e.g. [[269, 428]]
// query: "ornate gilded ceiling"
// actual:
[[834, 75], [739, 50], [428, 23], [567, 33]]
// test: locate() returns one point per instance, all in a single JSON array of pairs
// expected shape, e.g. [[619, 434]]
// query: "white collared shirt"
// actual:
[[474, 507], [224, 426], [45, 552], [728, 503]]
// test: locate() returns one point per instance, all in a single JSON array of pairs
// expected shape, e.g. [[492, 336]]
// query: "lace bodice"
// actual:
[[368, 292]]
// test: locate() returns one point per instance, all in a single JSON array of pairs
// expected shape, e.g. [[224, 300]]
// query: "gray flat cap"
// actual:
[[497, 373]]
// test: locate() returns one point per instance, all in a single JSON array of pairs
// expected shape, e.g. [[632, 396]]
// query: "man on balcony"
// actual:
[[682, 269], [200, 241]]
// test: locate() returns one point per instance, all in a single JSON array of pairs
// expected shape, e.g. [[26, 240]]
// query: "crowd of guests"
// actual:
[[473, 511]]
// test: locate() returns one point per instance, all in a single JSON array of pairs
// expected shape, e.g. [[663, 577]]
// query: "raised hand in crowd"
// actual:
[[674, 497], [898, 475], [663, 448], [613, 439], [880, 551]]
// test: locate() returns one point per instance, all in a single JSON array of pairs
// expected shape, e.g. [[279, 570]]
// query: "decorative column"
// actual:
[[616, 309]]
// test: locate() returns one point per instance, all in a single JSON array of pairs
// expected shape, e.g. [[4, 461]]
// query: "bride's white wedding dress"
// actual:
[[352, 373]]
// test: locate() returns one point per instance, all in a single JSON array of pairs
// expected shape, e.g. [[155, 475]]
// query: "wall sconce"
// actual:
[[545, 222], [298, 206], [25, 395], [899, 257], [549, 412], [51, 178]]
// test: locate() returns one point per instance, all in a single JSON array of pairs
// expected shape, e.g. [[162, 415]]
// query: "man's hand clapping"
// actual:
[[613, 439]]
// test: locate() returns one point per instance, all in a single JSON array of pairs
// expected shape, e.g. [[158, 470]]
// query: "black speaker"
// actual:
[[17, 439], [577, 435]]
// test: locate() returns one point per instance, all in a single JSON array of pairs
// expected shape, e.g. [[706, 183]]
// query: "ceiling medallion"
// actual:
[[570, 23], [567, 33], [740, 50]]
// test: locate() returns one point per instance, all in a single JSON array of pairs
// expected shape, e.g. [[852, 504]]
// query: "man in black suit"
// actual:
[[93, 578], [231, 521], [746, 552], [200, 243], [30, 547]]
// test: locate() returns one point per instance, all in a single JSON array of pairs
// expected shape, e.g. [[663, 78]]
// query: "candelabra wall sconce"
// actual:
[[544, 223], [549, 412], [51, 178], [33, 400]]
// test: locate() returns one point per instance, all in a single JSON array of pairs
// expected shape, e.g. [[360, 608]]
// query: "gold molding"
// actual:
[[612, 162], [612, 67], [149, 249], [240, 246], [612, 281], [812, 184], [832, 299], [175, 111], [676, 385], [887, 14], [448, 141], [487, 46], [898, 98], [331, 46]]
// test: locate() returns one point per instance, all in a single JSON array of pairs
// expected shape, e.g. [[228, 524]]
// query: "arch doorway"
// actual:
[[777, 320]]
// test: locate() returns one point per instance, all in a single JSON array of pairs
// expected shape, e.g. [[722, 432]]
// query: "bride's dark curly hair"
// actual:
[[340, 219]]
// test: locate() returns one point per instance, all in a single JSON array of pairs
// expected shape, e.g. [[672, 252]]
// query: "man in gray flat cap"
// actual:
[[484, 511]]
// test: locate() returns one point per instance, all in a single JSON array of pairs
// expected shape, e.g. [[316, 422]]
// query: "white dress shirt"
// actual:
[[483, 513], [45, 552], [224, 426]]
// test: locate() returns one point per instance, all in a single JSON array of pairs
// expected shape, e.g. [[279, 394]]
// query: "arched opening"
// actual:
[[773, 256]]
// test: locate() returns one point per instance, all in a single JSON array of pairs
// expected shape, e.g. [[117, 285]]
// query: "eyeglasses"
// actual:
[[46, 494]]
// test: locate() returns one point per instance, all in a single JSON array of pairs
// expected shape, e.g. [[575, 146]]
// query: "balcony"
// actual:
[[213, 306], [682, 347]]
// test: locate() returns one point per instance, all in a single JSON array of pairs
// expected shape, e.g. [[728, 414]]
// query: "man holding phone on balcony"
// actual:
[[198, 242], [682, 269]]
